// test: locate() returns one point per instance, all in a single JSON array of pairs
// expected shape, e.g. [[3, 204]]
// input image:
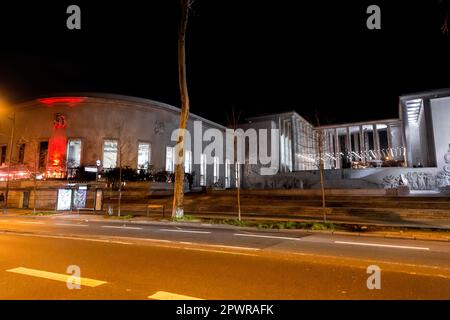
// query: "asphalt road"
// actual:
[[131, 261]]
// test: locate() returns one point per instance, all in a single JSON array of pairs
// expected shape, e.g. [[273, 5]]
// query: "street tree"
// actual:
[[178, 193]]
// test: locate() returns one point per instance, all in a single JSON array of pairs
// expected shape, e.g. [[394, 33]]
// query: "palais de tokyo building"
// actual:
[[56, 135]]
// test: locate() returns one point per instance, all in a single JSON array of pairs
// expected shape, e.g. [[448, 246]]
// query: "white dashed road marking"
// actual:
[[262, 236], [119, 227], [55, 276], [381, 245], [187, 231], [163, 295], [71, 225]]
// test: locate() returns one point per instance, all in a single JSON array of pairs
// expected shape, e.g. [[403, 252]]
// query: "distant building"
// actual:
[[56, 135]]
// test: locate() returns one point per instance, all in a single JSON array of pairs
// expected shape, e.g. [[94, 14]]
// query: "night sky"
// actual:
[[258, 57]]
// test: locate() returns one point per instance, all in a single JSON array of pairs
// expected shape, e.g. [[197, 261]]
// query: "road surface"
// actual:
[[137, 261]]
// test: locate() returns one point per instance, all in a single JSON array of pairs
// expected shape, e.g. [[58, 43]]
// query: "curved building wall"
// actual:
[[93, 119]]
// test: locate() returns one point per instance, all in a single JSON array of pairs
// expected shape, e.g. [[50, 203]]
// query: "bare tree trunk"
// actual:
[[178, 192]]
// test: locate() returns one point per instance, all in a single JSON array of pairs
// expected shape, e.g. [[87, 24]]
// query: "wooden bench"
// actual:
[[155, 206]]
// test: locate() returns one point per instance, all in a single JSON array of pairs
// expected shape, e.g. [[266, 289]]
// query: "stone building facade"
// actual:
[[102, 131]]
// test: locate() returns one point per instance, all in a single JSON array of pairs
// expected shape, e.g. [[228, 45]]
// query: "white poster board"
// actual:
[[64, 199]]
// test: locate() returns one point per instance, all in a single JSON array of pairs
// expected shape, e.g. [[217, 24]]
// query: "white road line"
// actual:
[[163, 295], [119, 227], [220, 251], [71, 225], [30, 222], [66, 237], [381, 245], [261, 236], [233, 247], [56, 276], [187, 231]]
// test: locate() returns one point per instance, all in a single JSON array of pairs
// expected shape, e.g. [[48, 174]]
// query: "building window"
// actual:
[[227, 173], [73, 153], [237, 173], [203, 170], [3, 155], [216, 169], [110, 148], [170, 159], [43, 151], [143, 156], [188, 161], [21, 156]]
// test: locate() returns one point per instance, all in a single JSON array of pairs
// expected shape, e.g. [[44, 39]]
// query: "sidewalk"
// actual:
[[404, 231]]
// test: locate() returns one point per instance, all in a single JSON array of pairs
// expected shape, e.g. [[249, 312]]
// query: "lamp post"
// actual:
[[13, 125]]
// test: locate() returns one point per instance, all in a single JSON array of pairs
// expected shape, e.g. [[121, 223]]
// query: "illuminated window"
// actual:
[[216, 169], [110, 148], [170, 159], [143, 156], [227, 173], [73, 153], [43, 152], [21, 156], [2, 155], [188, 161], [203, 170]]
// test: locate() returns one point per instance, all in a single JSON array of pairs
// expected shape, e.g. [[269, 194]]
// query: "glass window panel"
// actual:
[[143, 156], [170, 159], [110, 154], [188, 161], [203, 170], [73, 153]]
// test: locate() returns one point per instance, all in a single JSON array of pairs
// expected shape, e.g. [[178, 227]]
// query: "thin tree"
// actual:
[[316, 155], [124, 156], [233, 121], [320, 137], [320, 141], [178, 193], [33, 169]]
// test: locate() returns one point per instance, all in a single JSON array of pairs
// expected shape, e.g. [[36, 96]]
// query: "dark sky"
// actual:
[[256, 56]]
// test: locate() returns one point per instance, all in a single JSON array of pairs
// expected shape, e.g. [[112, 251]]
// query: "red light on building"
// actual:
[[68, 100]]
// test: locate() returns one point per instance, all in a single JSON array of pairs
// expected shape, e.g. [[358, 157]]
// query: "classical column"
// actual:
[[330, 148], [362, 145], [376, 139], [389, 136], [348, 144], [294, 142], [290, 146], [356, 139], [337, 149]]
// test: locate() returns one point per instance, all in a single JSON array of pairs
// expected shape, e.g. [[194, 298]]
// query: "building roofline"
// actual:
[[119, 97], [273, 115], [437, 93], [351, 124]]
